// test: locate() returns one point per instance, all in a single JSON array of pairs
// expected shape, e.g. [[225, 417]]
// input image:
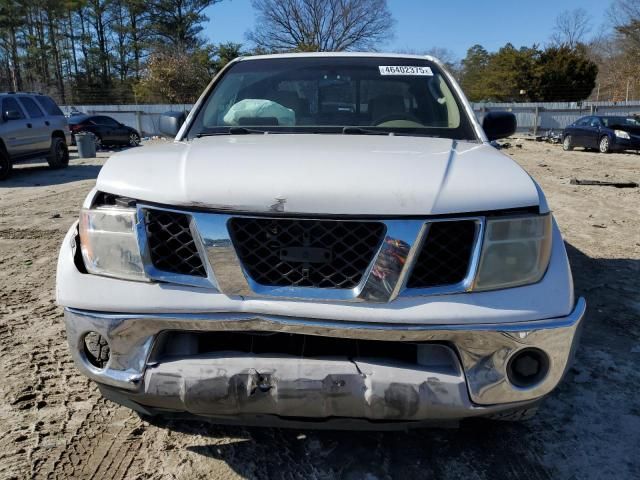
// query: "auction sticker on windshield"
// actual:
[[405, 70]]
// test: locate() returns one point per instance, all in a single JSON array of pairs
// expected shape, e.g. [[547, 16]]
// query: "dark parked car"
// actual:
[[107, 131], [606, 134]]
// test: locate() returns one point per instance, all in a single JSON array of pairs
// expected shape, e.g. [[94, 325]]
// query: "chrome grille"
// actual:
[[445, 256], [171, 244], [306, 253]]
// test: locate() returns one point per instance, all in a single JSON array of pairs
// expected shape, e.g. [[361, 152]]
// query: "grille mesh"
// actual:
[[445, 255], [342, 250], [171, 243]]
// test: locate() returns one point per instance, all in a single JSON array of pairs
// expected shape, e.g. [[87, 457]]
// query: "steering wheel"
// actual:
[[408, 120]]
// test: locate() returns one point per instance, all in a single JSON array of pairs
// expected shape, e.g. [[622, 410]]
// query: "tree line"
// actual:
[[148, 51], [145, 51], [531, 74], [88, 51], [573, 65]]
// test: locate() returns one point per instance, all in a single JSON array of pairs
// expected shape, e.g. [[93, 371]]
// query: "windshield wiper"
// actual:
[[234, 131], [363, 131]]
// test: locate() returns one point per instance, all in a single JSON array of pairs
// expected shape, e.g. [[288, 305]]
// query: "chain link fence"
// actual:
[[539, 118]]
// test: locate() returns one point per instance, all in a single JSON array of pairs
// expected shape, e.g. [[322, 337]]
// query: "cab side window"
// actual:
[[31, 107], [49, 106], [11, 104], [583, 122]]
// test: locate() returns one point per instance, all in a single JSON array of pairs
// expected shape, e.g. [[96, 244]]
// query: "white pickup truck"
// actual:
[[330, 240]]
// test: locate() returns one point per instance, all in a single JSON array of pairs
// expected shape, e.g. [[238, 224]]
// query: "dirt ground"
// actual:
[[54, 424]]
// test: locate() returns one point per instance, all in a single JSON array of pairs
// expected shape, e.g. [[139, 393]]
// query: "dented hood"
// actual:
[[322, 174]]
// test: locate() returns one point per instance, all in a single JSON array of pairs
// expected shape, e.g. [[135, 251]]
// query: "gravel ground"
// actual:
[[54, 424]]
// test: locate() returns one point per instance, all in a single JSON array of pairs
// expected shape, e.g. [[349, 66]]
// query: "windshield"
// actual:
[[360, 95]]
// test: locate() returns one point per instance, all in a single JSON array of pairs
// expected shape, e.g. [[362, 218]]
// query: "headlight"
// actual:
[[109, 243], [515, 252], [622, 134]]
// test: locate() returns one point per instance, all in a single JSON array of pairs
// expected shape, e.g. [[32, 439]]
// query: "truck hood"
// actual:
[[322, 174]]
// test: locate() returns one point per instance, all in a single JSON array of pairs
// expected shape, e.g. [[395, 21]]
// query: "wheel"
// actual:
[[59, 156], [521, 415], [566, 144], [6, 165], [605, 145], [134, 139]]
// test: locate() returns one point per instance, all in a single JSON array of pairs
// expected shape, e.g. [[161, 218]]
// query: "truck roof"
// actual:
[[20, 93], [342, 54]]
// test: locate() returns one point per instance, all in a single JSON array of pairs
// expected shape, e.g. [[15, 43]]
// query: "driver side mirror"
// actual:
[[499, 125], [11, 115], [170, 123]]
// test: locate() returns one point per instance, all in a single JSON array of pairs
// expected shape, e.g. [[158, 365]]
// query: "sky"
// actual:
[[423, 24]]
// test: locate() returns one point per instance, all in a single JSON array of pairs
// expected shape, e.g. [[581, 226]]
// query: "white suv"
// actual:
[[329, 239], [31, 126]]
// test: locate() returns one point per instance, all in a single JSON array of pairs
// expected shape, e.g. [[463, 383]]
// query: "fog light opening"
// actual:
[[96, 349], [528, 367]]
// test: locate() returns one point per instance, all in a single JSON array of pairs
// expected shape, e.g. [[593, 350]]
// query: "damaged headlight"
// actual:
[[515, 252], [109, 242]]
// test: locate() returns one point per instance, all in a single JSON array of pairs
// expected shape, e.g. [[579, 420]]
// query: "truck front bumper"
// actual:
[[462, 370]]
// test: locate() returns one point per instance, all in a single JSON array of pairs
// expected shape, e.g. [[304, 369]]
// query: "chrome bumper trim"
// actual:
[[484, 350]]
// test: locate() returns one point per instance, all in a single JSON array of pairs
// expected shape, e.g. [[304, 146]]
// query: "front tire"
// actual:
[[59, 156], [6, 165], [567, 146], [97, 350], [604, 145]]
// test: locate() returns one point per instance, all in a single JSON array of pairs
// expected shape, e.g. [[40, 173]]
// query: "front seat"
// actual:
[[291, 100]]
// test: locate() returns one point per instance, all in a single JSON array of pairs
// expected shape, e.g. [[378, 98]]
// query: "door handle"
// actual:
[[29, 125], [46, 122]]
